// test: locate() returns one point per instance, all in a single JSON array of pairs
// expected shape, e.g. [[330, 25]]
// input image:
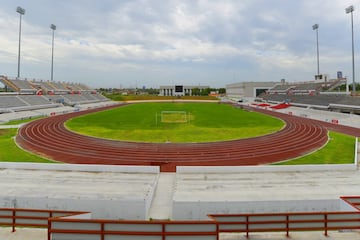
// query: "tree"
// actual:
[[205, 92], [222, 90], [195, 91]]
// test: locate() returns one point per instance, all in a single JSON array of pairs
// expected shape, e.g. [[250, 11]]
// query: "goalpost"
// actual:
[[174, 117]]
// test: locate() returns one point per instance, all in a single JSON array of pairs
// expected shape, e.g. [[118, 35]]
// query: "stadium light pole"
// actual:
[[53, 27], [350, 10], [21, 12], [316, 27]]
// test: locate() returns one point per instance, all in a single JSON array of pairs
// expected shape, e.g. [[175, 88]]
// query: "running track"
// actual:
[[49, 137]]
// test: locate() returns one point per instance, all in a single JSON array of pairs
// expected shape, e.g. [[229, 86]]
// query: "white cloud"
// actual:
[[159, 41]]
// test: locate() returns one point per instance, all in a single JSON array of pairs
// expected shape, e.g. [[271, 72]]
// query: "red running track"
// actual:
[[49, 137]]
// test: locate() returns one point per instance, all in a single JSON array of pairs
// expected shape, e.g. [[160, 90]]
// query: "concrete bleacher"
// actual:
[[281, 88], [60, 86], [24, 102], [34, 100], [46, 86], [109, 192], [308, 87], [56, 94], [352, 120], [23, 85], [85, 98], [129, 192], [72, 99], [45, 112], [7, 102], [78, 87], [261, 189], [320, 99], [55, 98]]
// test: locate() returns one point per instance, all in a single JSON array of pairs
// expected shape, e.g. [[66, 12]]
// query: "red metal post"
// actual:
[[102, 231], [163, 231], [326, 224], [49, 225], [13, 220], [49, 229], [247, 226], [287, 225]]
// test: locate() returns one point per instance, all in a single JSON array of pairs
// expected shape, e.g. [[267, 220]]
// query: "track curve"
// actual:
[[49, 137]]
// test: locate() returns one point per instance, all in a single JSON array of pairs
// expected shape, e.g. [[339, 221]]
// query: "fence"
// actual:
[[66, 225], [17, 217], [286, 222], [61, 229]]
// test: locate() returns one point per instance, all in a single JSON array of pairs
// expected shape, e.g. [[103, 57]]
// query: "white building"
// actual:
[[248, 89]]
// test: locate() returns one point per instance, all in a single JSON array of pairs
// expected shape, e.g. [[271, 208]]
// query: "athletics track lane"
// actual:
[[49, 137]]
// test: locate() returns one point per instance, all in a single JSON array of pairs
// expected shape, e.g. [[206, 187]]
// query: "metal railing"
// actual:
[[287, 222], [69, 224], [18, 217]]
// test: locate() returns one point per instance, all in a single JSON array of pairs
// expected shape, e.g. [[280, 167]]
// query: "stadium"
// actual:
[[107, 189]]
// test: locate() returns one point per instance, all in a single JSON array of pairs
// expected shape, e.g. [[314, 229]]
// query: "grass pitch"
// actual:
[[339, 150], [207, 122], [10, 152]]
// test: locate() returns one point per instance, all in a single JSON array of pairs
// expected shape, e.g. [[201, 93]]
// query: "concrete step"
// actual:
[[161, 206]]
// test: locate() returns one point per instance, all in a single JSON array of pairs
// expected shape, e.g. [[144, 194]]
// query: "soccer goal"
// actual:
[[174, 117]]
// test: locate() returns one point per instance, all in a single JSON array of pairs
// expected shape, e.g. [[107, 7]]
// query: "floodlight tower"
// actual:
[[53, 27], [316, 27], [21, 12], [350, 10]]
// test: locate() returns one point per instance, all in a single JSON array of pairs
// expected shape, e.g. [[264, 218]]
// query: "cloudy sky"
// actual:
[[136, 43]]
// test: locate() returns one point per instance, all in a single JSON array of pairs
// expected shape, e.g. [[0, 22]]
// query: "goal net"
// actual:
[[174, 117]]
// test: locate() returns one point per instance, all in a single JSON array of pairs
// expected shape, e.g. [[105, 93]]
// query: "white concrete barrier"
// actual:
[[268, 168], [80, 167]]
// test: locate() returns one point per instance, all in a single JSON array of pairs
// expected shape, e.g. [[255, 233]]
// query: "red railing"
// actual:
[[73, 223], [287, 222], [125, 228], [354, 201], [18, 217]]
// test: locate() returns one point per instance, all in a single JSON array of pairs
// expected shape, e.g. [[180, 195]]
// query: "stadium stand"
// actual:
[[17, 85], [321, 99], [24, 95], [315, 94], [306, 87], [281, 89], [74, 99], [24, 102], [24, 85], [11, 102]]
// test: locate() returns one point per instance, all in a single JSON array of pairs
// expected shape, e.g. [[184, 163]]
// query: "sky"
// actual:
[[149, 43]]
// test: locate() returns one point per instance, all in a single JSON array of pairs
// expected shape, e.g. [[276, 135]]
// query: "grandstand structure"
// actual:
[[254, 89], [318, 95], [25, 95], [26, 86]]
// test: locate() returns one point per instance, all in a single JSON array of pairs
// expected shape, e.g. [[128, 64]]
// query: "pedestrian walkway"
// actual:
[[161, 207], [23, 234], [9, 126], [332, 235], [41, 234]]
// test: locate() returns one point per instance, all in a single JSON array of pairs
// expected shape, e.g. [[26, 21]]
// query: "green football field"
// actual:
[[175, 122]]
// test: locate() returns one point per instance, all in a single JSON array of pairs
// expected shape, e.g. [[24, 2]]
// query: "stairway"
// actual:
[[9, 83], [161, 206]]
